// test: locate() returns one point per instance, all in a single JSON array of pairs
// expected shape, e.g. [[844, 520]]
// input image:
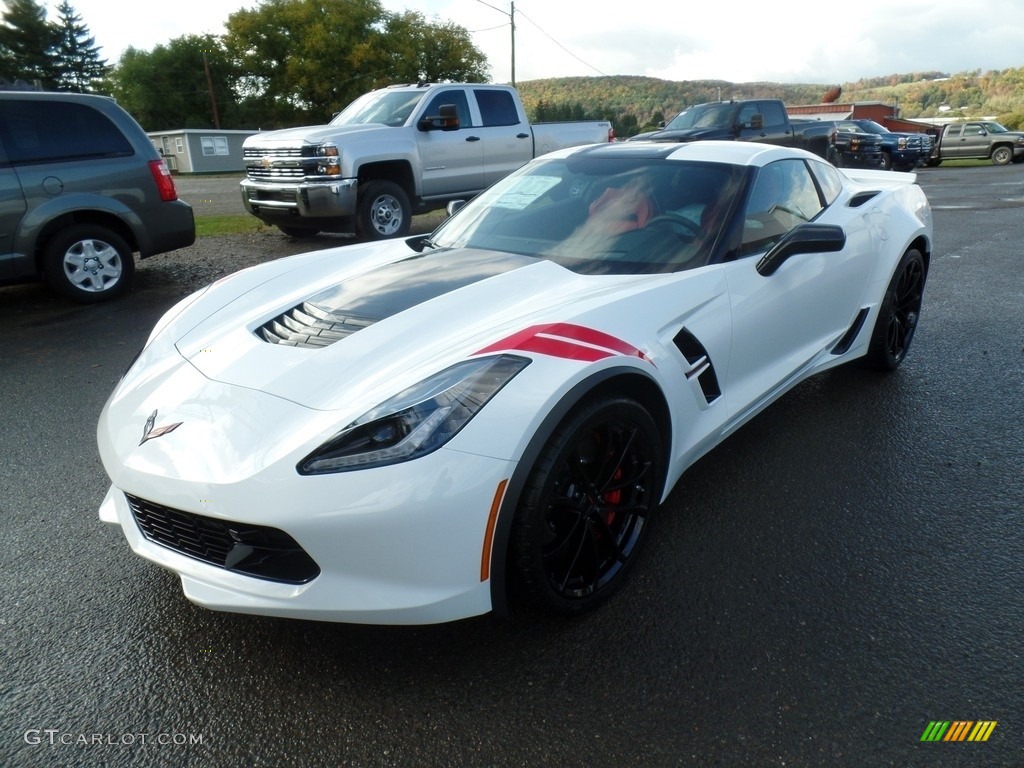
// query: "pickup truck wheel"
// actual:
[[88, 263], [886, 163], [384, 211], [1002, 155], [834, 157]]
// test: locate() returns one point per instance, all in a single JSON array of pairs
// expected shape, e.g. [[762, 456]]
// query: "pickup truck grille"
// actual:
[[279, 163]]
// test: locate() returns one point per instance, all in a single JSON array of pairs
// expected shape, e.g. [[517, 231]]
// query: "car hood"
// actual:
[[384, 317], [309, 134]]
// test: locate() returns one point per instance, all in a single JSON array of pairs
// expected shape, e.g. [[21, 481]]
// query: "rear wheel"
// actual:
[[586, 507], [383, 211], [88, 263], [898, 315]]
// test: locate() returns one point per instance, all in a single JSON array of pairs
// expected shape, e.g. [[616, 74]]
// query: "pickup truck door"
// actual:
[[775, 127], [453, 161], [507, 139], [972, 141]]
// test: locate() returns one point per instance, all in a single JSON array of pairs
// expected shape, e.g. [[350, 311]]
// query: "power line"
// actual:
[[549, 37]]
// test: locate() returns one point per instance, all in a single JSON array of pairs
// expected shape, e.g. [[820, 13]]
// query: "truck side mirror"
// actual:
[[447, 119]]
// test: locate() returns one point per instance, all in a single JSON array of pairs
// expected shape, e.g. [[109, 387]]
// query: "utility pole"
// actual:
[[209, 86], [512, 20]]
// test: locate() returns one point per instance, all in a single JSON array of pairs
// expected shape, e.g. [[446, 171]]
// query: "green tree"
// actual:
[[78, 63], [168, 87], [28, 44], [304, 60]]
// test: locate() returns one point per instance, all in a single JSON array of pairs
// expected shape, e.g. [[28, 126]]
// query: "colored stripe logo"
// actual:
[[958, 730], [572, 342]]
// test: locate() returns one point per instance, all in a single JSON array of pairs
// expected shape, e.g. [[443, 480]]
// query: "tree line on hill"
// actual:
[[293, 62]]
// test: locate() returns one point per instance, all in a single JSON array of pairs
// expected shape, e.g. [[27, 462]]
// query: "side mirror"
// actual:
[[454, 207], [757, 121], [807, 238], [447, 119]]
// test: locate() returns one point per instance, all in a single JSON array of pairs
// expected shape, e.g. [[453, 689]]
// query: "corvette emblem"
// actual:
[[150, 431]]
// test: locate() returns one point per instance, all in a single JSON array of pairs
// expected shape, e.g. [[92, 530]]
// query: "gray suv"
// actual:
[[82, 188]]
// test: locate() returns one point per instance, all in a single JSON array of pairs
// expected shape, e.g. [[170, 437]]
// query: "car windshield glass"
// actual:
[[870, 126], [597, 215], [384, 107], [705, 116]]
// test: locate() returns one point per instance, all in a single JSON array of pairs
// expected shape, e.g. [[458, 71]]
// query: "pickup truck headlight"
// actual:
[[328, 160], [417, 421]]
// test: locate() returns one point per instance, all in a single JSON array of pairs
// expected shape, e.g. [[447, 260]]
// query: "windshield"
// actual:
[[872, 127], [703, 116], [385, 107], [597, 215]]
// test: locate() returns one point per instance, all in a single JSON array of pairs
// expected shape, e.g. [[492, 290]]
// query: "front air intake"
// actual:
[[310, 327]]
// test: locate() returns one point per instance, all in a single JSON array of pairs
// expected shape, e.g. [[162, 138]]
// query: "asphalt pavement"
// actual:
[[841, 573]]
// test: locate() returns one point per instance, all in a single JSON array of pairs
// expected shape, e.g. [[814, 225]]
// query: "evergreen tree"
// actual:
[[78, 62], [28, 44]]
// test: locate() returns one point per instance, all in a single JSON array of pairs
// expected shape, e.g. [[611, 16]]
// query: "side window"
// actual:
[[496, 107], [774, 114], [747, 112], [783, 196], [828, 180], [972, 130], [48, 131], [458, 98]]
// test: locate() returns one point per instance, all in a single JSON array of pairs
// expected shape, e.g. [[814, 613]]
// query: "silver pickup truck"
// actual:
[[395, 152]]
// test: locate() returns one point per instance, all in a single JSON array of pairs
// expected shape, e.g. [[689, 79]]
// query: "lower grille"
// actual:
[[255, 550]]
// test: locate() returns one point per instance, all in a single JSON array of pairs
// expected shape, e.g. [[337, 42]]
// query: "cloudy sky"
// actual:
[[812, 41]]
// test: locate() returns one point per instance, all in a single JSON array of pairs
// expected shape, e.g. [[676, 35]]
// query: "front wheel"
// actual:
[[898, 315], [1002, 155], [586, 507], [383, 211], [88, 263], [886, 162]]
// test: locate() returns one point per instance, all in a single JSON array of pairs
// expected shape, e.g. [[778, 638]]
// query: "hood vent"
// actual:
[[309, 327]]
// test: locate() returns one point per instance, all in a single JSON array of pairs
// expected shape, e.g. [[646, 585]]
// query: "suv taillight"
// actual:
[[163, 179]]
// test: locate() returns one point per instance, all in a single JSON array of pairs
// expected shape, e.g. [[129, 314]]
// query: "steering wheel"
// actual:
[[671, 217]]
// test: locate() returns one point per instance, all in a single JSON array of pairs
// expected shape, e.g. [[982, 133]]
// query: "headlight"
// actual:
[[417, 421], [328, 160]]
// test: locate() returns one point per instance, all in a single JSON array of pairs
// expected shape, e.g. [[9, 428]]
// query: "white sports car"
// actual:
[[419, 430]]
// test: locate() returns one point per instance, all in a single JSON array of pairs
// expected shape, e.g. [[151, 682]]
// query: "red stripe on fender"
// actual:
[[572, 342]]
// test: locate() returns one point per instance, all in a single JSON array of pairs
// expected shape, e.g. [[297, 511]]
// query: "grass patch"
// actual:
[[228, 225]]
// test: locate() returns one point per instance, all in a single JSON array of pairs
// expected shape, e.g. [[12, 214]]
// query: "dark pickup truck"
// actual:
[[978, 139], [898, 151], [766, 121]]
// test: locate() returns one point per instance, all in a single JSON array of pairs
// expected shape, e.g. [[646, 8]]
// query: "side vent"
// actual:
[[862, 197], [700, 367], [844, 344], [309, 327]]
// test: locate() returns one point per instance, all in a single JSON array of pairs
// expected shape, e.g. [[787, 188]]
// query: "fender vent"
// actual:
[[700, 366], [861, 197], [844, 344], [310, 327]]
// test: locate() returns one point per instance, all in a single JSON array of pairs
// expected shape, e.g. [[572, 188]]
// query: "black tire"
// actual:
[[886, 162], [1002, 155], [88, 263], [898, 315], [298, 233], [383, 211], [586, 507], [834, 157]]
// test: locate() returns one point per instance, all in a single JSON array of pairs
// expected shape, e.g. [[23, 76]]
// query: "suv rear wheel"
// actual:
[[88, 263]]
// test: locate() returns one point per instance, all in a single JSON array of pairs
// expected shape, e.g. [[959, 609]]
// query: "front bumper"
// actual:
[[404, 544], [305, 200]]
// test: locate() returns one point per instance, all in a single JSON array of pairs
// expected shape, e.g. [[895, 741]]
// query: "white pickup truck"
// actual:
[[394, 152]]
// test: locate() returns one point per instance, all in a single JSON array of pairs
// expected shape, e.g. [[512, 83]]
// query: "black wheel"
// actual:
[[298, 232], [886, 162], [88, 263], [586, 507], [384, 211], [834, 157], [898, 315], [1002, 155]]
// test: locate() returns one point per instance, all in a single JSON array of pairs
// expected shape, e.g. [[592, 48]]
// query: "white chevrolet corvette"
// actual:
[[419, 430]]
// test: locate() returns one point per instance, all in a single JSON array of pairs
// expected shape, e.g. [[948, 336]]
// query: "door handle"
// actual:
[[522, 135], [472, 138]]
